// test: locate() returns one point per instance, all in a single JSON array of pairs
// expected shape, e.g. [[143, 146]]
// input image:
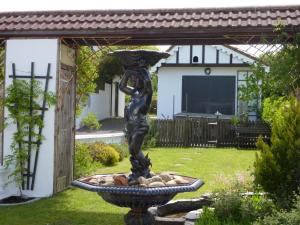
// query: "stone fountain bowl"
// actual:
[[136, 196]]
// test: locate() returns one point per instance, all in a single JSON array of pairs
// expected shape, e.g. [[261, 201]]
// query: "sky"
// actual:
[[34, 5]]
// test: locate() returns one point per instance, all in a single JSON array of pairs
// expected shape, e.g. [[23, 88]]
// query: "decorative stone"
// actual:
[[156, 184], [180, 180], [154, 179], [166, 177], [94, 181], [142, 181], [171, 183], [121, 180], [194, 215]]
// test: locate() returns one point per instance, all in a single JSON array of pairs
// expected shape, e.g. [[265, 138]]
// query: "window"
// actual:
[[195, 59], [250, 107]]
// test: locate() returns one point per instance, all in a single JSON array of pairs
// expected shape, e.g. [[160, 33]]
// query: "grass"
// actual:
[[78, 207]]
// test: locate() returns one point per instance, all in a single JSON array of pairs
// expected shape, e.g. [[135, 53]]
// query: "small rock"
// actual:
[[121, 180], [154, 179], [166, 177], [194, 215], [143, 185], [171, 183], [142, 180], [180, 180], [156, 184], [93, 181]]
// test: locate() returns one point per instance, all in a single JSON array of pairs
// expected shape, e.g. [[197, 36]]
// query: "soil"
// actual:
[[14, 199]]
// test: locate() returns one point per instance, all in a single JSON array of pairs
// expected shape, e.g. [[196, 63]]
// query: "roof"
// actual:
[[156, 26]]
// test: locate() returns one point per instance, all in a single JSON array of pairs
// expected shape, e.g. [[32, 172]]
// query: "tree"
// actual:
[[277, 168], [282, 78]]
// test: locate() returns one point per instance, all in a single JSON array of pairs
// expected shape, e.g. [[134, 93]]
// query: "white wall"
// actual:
[[40, 51], [170, 85], [100, 103]]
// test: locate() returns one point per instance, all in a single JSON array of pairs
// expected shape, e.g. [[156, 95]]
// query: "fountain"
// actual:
[[141, 188]]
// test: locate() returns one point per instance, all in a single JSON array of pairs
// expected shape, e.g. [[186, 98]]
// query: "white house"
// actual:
[[203, 79], [107, 102]]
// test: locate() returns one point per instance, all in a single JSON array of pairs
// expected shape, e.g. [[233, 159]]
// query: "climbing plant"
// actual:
[[19, 95]]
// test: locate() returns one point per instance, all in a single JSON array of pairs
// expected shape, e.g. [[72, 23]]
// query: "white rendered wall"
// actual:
[[40, 51], [170, 86], [99, 104]]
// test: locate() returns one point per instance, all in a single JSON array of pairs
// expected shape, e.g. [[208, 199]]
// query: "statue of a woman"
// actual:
[[135, 116]]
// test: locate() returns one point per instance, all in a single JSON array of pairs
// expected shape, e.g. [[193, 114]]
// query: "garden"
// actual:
[[260, 186]]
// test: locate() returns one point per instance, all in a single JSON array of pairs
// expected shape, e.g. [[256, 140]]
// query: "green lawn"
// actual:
[[78, 207]]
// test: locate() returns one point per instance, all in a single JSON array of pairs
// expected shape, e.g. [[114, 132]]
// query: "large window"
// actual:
[[208, 94], [248, 108]]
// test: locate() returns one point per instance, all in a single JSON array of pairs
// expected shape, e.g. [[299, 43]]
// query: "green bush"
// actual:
[[281, 217], [83, 160], [105, 154], [277, 167], [122, 149], [150, 140], [91, 122], [232, 207]]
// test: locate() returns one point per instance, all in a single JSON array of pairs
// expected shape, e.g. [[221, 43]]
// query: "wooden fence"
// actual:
[[208, 132]]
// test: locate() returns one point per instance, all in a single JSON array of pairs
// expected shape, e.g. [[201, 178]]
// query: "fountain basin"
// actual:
[[138, 198]]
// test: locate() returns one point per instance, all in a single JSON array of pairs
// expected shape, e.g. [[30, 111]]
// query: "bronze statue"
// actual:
[[135, 65]]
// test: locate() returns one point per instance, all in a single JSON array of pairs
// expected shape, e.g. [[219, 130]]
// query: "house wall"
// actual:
[[170, 86], [22, 52], [102, 103], [99, 104]]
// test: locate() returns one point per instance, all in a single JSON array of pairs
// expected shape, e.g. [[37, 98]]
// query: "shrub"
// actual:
[[283, 217], [83, 160], [122, 149], [150, 139], [232, 207], [277, 168], [105, 154], [91, 122]]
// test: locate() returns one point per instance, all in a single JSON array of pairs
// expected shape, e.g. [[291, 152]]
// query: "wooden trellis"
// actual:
[[29, 176]]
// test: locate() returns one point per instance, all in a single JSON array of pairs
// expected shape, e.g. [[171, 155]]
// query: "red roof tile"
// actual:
[[156, 23]]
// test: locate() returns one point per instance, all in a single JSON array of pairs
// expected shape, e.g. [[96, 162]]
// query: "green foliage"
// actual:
[[105, 154], [17, 102], [150, 139], [281, 217], [277, 168], [122, 149], [83, 160], [273, 109], [208, 217], [91, 121], [283, 77], [87, 72]]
